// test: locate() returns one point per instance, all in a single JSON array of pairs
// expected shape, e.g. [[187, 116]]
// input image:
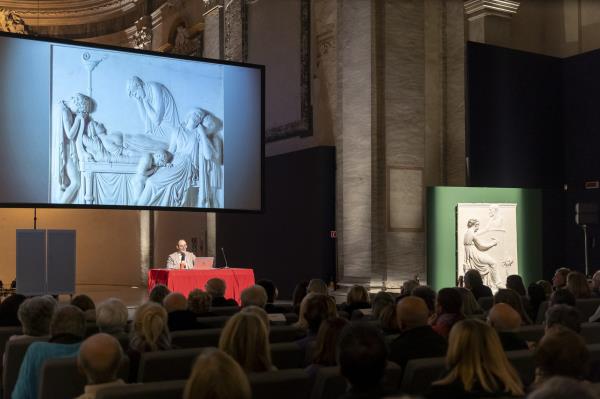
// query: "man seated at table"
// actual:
[[181, 259]]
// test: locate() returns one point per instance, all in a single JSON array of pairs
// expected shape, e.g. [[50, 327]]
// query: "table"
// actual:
[[184, 281]]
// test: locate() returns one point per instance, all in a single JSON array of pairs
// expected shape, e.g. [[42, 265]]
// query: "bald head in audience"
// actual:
[[175, 301], [504, 318], [412, 312], [99, 358]]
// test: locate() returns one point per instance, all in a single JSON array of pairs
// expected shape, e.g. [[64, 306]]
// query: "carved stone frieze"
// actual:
[[480, 8], [10, 21], [142, 37]]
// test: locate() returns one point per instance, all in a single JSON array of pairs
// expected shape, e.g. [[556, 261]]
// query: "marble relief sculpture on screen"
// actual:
[[487, 241], [162, 161]]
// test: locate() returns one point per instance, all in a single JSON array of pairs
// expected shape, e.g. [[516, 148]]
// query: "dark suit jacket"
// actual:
[[220, 301], [483, 291], [182, 320], [512, 341], [417, 343]]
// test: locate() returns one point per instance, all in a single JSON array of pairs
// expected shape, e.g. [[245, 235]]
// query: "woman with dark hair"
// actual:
[[298, 295], [474, 282], [8, 310], [515, 283], [513, 299], [448, 311], [537, 295], [324, 353]]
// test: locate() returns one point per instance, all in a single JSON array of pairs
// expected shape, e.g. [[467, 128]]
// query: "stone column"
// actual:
[[234, 30], [213, 30], [489, 21]]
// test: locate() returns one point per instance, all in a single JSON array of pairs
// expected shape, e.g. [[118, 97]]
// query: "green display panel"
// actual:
[[441, 229]]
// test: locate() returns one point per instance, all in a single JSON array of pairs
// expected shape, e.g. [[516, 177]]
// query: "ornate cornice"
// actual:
[[480, 8]]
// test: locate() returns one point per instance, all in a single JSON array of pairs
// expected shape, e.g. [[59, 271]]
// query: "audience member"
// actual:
[[477, 365], [565, 316], [547, 286], [562, 296], [8, 310], [99, 359], [578, 285], [245, 339], [178, 315], [216, 375], [595, 285], [380, 301], [255, 295], [261, 313], [474, 283], [317, 286], [199, 302], [362, 355], [357, 298], [506, 321], [384, 310], [470, 306], [560, 277], [448, 311], [86, 304], [561, 352], [67, 330], [316, 310], [417, 339], [561, 388], [515, 282], [149, 333], [272, 294], [427, 294], [158, 293], [302, 323], [536, 295], [298, 295], [111, 316], [513, 299], [324, 353], [408, 286], [216, 287], [35, 315]]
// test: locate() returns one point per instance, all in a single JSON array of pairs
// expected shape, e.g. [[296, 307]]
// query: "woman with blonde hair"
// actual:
[[578, 285], [477, 364], [245, 338], [149, 333], [357, 298], [216, 375], [470, 306]]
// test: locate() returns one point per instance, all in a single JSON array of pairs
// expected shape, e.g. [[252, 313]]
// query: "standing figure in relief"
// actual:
[[475, 256], [156, 107], [74, 118], [211, 159]]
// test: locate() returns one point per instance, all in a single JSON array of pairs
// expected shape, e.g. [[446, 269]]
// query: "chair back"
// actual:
[[155, 390], [225, 310], [15, 352], [587, 307], [287, 355], [420, 373], [288, 384], [285, 334], [5, 334], [213, 321], [174, 364], [196, 338]]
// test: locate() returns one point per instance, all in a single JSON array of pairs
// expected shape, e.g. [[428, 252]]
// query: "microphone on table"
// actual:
[[224, 257], [183, 257]]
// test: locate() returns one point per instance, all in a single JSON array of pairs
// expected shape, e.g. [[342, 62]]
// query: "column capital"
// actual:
[[475, 9]]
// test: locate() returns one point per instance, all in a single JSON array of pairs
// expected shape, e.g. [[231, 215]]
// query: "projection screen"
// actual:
[[95, 126]]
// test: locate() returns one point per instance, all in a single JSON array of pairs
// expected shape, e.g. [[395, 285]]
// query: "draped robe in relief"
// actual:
[[476, 258], [162, 120]]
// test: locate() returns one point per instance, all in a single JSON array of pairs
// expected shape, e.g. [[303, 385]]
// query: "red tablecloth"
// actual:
[[185, 281]]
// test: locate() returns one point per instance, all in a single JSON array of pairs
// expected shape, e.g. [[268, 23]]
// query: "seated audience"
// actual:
[[470, 306], [86, 304], [35, 315], [578, 285], [536, 295], [199, 303], [158, 293], [216, 287], [562, 296], [178, 315], [513, 299], [298, 295], [565, 316], [317, 286], [67, 330], [560, 278], [561, 388], [261, 313], [384, 310], [216, 375], [99, 359], [111, 316], [506, 321], [547, 286], [316, 310], [357, 298], [254, 296], [417, 339], [474, 283], [245, 339], [448, 311], [324, 353], [515, 282], [477, 365], [595, 286], [362, 355], [272, 293], [302, 323], [8, 310], [427, 294], [561, 352], [408, 286], [149, 333]]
